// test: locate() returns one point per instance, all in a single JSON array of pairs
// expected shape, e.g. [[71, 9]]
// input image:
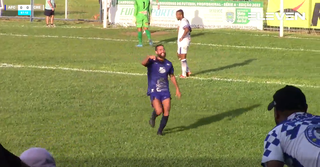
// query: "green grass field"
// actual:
[[81, 94]]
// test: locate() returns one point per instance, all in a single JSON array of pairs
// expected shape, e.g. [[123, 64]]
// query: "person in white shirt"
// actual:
[[295, 140], [184, 39], [103, 5]]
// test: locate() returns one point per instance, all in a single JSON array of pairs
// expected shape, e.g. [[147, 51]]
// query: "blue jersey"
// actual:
[[295, 142], [158, 73]]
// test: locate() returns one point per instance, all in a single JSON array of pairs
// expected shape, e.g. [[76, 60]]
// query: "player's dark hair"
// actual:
[[180, 11], [156, 48]]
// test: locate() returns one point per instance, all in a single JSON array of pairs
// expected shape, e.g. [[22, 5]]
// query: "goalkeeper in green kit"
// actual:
[[142, 12]]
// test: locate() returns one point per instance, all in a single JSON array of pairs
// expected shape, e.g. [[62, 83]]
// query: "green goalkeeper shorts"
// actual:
[[142, 21]]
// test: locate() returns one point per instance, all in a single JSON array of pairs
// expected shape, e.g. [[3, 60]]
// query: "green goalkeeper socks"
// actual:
[[140, 37], [148, 34]]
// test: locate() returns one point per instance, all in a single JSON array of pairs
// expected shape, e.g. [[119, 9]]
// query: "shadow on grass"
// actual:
[[225, 67], [211, 119], [175, 38]]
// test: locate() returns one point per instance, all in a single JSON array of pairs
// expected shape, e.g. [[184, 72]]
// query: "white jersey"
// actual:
[[295, 142], [184, 23], [104, 3]]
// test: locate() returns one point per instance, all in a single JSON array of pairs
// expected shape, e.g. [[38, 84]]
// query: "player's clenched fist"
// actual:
[[152, 57]]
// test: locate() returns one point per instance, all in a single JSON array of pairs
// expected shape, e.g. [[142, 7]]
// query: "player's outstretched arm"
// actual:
[[145, 62], [175, 83]]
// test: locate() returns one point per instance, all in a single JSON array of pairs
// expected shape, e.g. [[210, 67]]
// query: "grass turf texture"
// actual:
[[101, 119]]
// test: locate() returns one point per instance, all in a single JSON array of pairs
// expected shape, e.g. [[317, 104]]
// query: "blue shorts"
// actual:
[[159, 96]]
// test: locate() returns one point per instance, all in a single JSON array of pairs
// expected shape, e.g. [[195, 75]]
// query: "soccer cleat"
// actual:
[[159, 133], [181, 76], [150, 42], [152, 122], [188, 74], [139, 45], [53, 25]]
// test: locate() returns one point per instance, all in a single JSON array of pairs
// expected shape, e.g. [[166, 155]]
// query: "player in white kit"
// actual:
[[184, 39], [295, 141]]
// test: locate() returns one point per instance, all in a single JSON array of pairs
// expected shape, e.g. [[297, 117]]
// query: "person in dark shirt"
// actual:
[[159, 70], [7, 159]]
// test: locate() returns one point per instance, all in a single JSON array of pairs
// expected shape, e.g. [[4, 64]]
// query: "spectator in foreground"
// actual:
[[7, 159], [38, 157], [295, 141]]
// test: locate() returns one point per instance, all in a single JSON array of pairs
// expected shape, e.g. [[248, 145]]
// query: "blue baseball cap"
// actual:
[[38, 157]]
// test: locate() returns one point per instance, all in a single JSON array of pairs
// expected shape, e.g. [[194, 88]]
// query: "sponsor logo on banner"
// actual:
[[307, 11]]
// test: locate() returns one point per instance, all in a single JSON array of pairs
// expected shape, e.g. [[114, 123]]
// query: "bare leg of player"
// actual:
[[156, 112], [47, 21], [52, 21]]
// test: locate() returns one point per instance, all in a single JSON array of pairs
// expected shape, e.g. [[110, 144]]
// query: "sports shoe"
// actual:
[[150, 42], [152, 122], [139, 45], [159, 133], [188, 74], [53, 25], [181, 76]]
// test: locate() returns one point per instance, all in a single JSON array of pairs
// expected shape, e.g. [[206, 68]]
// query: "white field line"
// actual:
[[99, 27], [200, 44], [275, 36], [5, 65]]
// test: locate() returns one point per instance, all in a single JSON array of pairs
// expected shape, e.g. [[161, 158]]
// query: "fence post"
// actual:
[[32, 10], [66, 10], [100, 11]]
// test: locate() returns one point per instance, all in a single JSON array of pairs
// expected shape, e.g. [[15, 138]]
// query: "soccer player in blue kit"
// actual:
[[159, 69]]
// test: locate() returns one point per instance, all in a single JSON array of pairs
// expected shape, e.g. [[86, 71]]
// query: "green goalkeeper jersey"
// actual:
[[142, 7]]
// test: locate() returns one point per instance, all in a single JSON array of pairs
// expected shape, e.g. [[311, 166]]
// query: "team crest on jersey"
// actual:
[[312, 133], [162, 70]]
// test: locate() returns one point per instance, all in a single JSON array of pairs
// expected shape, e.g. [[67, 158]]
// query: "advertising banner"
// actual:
[[309, 9], [208, 15]]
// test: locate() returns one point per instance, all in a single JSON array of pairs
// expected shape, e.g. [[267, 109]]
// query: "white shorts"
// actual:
[[183, 47]]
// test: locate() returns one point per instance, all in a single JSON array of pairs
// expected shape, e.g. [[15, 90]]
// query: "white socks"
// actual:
[[184, 67]]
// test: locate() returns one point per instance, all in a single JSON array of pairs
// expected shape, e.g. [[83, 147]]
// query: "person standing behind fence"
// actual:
[[102, 9], [49, 12]]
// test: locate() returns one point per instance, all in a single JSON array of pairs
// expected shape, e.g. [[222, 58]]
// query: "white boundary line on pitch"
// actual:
[[275, 36], [125, 40], [115, 28], [5, 65]]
